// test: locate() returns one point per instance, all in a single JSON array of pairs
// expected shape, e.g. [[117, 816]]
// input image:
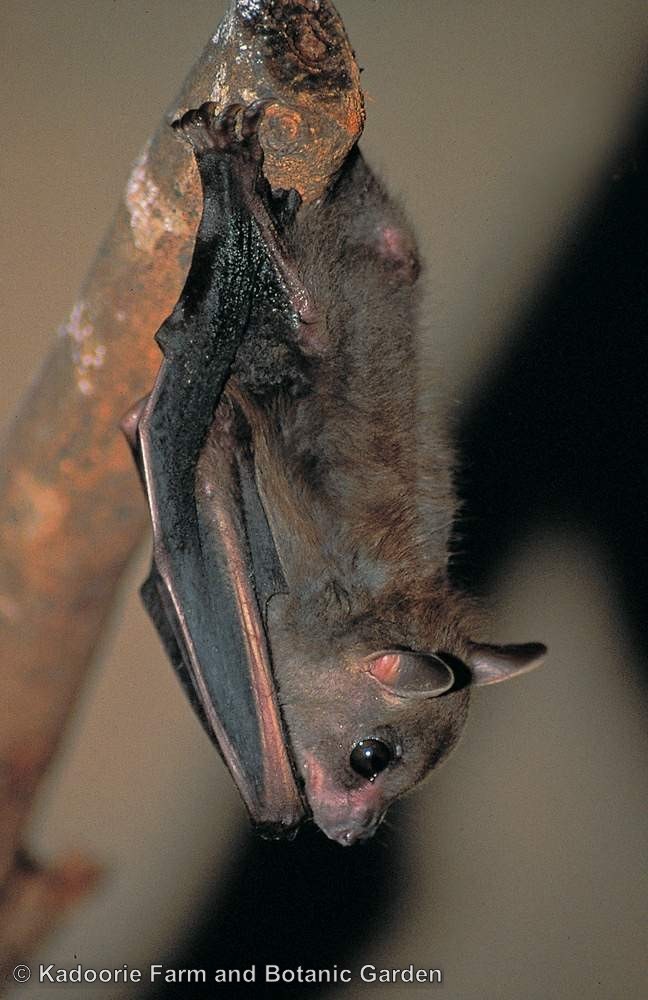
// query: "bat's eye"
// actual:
[[370, 757]]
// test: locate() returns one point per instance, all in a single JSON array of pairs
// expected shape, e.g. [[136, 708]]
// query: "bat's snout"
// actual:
[[347, 835], [347, 816]]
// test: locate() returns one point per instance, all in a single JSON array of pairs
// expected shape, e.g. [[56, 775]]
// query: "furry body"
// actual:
[[360, 502], [301, 509]]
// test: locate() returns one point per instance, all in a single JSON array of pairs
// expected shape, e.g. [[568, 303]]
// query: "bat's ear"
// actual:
[[492, 664], [411, 675]]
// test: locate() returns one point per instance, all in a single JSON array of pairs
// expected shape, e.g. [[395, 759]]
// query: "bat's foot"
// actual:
[[233, 135], [235, 130]]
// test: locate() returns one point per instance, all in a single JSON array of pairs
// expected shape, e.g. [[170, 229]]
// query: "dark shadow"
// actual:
[[559, 428], [308, 903]]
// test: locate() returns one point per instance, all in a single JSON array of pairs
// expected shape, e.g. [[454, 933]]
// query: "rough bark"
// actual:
[[71, 509]]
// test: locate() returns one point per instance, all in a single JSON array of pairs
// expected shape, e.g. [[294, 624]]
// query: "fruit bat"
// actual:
[[301, 502]]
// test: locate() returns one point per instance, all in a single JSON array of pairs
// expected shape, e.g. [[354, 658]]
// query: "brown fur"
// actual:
[[360, 504]]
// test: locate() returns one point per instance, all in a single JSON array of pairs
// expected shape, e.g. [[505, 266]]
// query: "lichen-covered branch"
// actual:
[[71, 510]]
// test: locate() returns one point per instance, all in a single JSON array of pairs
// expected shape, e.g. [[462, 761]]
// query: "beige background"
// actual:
[[491, 118]]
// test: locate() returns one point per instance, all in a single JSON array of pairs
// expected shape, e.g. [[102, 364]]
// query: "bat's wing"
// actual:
[[214, 570], [214, 562]]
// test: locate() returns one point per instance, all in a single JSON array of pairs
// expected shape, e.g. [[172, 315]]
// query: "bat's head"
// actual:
[[368, 728]]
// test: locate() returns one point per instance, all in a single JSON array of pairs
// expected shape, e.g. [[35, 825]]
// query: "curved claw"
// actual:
[[206, 130], [226, 121], [130, 422], [195, 117], [253, 115]]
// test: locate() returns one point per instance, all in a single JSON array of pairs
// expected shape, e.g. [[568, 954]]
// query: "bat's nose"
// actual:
[[354, 833], [346, 816]]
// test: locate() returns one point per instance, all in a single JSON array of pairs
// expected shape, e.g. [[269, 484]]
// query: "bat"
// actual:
[[301, 506]]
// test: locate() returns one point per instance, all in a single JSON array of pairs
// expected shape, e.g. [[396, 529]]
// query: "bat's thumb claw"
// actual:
[[253, 115], [130, 422]]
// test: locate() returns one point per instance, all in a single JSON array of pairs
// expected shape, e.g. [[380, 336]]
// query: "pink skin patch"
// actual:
[[386, 668], [395, 246], [345, 815], [392, 243]]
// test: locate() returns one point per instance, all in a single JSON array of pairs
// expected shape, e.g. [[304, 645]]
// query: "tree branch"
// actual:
[[71, 510]]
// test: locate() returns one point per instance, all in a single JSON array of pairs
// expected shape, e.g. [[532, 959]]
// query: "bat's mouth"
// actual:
[[348, 836]]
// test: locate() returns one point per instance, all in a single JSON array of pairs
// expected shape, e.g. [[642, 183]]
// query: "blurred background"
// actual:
[[516, 134]]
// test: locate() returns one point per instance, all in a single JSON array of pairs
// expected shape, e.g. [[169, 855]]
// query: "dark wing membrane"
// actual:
[[203, 596]]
